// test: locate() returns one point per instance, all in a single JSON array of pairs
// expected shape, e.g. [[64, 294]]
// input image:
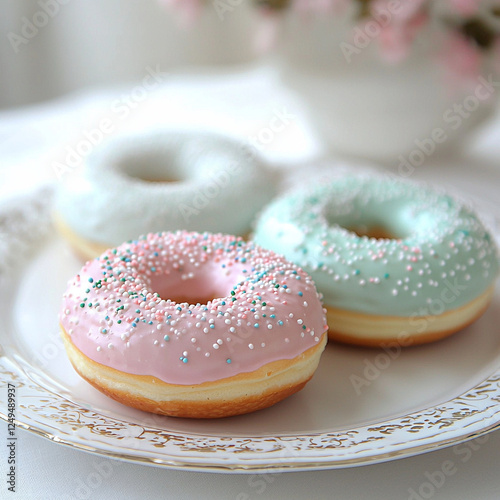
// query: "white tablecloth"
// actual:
[[33, 140]]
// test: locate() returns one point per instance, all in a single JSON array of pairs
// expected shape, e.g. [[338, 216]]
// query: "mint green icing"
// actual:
[[441, 257]]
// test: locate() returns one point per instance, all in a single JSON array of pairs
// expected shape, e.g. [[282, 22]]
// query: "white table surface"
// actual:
[[32, 139]]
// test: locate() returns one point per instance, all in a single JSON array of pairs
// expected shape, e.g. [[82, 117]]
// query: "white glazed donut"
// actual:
[[161, 181]]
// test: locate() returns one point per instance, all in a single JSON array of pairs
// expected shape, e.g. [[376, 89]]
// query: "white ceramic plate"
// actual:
[[362, 406]]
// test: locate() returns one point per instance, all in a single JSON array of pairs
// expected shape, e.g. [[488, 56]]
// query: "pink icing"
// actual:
[[262, 308]]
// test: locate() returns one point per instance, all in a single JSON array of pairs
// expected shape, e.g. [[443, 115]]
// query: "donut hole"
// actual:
[[377, 232], [160, 181], [200, 288], [369, 226], [194, 299], [152, 167], [193, 291], [370, 218]]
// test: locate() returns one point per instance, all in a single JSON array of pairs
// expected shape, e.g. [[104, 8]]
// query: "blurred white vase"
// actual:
[[365, 107]]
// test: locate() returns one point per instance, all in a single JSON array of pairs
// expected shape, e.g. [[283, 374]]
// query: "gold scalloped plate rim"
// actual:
[[228, 458], [255, 468]]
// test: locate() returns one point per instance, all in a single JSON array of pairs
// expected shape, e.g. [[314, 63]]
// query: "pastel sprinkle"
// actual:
[[131, 313]]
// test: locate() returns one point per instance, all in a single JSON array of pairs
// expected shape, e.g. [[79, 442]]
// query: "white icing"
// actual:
[[220, 184]]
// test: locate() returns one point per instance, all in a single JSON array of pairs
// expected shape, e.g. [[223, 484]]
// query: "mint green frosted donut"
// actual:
[[440, 257]]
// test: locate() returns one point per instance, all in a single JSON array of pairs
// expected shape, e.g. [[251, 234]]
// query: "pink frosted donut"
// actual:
[[193, 325]]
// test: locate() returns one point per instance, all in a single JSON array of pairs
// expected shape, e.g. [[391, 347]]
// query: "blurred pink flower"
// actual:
[[401, 12], [461, 61], [396, 39], [399, 24], [464, 7], [397, 29], [396, 24], [267, 31], [189, 10]]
